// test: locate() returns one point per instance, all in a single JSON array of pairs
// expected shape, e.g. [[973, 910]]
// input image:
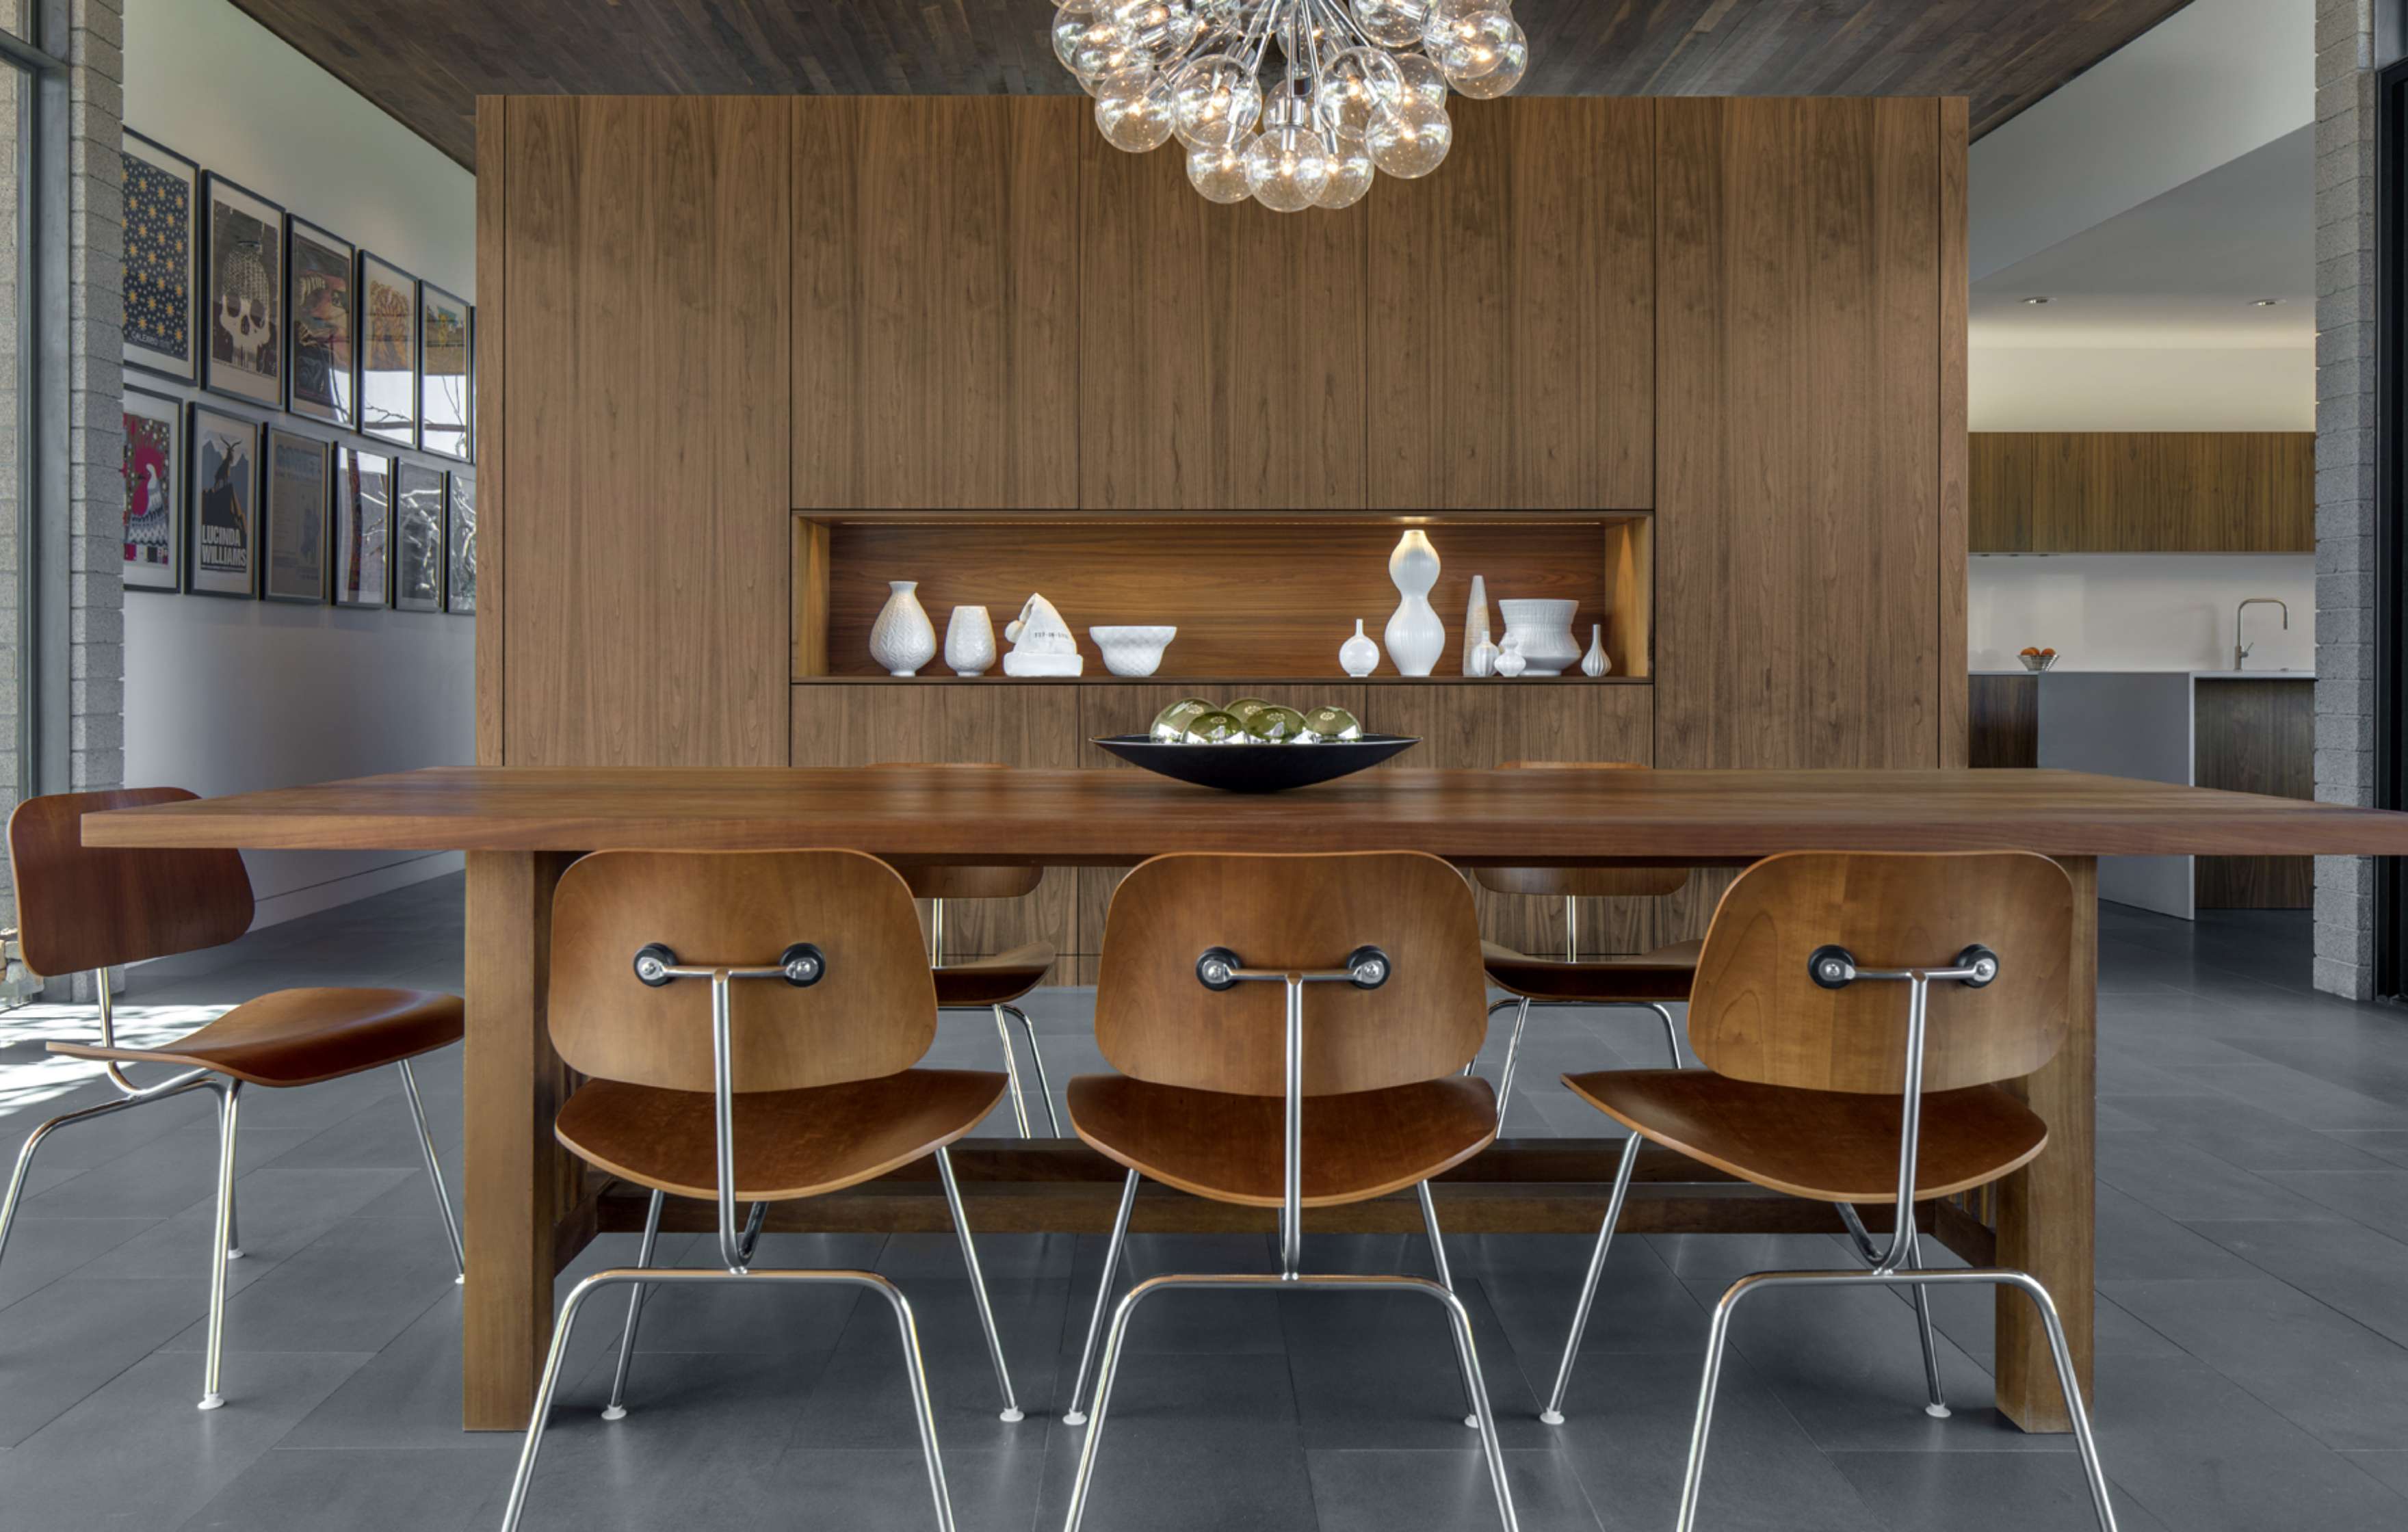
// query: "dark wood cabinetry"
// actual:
[[2256, 736], [2006, 711], [2161, 491]]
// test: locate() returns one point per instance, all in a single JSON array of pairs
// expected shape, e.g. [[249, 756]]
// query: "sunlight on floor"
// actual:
[[44, 1076]]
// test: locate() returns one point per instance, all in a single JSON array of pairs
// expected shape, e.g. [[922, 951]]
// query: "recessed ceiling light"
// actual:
[[2265, 302], [2037, 302]]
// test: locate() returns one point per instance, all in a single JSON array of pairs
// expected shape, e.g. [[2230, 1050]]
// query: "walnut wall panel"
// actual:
[[1799, 360], [645, 432], [2138, 491], [936, 280]]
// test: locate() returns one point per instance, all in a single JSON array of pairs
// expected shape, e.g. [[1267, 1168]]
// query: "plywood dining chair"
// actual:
[[999, 982], [748, 1025], [1855, 1013], [1653, 981], [1290, 1032], [81, 908]]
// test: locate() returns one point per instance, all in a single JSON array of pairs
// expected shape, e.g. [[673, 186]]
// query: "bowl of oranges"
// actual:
[[2037, 659]]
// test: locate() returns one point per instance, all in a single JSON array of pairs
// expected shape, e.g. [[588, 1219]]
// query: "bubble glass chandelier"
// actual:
[[1294, 104]]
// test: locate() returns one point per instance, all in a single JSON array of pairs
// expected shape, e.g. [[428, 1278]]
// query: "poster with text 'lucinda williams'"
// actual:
[[224, 518]]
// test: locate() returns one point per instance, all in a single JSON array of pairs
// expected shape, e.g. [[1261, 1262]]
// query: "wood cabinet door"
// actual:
[[2144, 492]]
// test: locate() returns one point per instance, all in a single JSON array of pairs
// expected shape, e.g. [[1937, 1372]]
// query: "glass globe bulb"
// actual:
[[1072, 20], [1351, 171], [1163, 25], [1409, 140], [1392, 23], [1216, 100], [1486, 54], [1133, 110], [1417, 75], [1287, 170], [1352, 85], [1219, 170]]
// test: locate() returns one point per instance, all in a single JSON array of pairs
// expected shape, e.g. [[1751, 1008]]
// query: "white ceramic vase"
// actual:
[[902, 640], [1545, 629], [1482, 660], [1358, 655], [1510, 663], [1595, 661], [1475, 625], [1415, 636], [970, 641]]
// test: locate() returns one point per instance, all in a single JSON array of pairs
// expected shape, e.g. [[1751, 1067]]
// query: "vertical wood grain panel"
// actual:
[[2256, 736], [2004, 729], [1512, 313], [2144, 492], [1998, 496], [647, 432], [935, 280], [492, 375], [1954, 274], [1799, 433]]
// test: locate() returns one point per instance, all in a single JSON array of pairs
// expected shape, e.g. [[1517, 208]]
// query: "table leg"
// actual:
[[2048, 1210], [517, 1184]]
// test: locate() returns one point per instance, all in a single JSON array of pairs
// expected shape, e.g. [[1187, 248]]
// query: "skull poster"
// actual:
[[417, 539], [245, 291], [154, 429], [224, 552], [161, 190], [320, 325], [388, 351]]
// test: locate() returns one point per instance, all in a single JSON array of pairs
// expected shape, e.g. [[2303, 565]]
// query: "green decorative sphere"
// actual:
[[1171, 724], [1329, 721], [1244, 708], [1215, 728], [1276, 725]]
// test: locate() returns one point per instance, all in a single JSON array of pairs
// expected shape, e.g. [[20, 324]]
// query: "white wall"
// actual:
[[2142, 388], [225, 696], [2140, 611]]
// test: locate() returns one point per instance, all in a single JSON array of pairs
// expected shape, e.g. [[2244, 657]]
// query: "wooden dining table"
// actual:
[[530, 1208]]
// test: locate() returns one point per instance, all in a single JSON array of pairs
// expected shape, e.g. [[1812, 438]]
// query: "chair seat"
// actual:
[[1664, 974], [1228, 1148], [301, 1037], [788, 1143], [1832, 1146], [995, 980]]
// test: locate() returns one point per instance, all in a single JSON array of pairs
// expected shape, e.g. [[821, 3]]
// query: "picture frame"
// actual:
[[388, 350], [298, 496], [460, 542], [163, 305], [418, 547], [222, 515], [360, 553], [242, 288], [322, 316], [154, 475], [447, 366]]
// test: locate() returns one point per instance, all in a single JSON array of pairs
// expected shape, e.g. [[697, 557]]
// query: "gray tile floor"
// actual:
[[2253, 1328]]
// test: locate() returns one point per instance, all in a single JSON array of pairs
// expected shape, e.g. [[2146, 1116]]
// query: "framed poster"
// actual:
[[155, 520], [222, 552], [417, 537], [446, 364], [388, 351], [320, 314], [162, 307], [300, 473], [243, 259], [363, 526], [460, 539]]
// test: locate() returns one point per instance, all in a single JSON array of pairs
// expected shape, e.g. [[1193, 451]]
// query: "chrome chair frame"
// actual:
[[1219, 969], [1522, 1020], [1002, 1035], [226, 1242], [801, 965], [1895, 1265]]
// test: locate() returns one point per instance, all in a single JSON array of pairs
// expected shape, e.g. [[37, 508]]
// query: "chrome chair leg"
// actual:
[[1514, 1045], [750, 1239], [1671, 1029], [1494, 1007], [1553, 1413], [1718, 1340], [924, 1412], [1512, 1058], [1910, 1258], [179, 1087], [1011, 1071], [232, 1234], [1037, 1057], [434, 1168], [978, 1284], [1445, 1280], [1459, 1319], [637, 1292], [221, 1238], [1074, 1415]]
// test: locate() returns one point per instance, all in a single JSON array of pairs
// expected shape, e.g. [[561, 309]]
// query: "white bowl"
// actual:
[[1132, 652]]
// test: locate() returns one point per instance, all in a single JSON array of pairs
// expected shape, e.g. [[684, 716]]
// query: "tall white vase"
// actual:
[[1475, 625], [902, 639], [1415, 636]]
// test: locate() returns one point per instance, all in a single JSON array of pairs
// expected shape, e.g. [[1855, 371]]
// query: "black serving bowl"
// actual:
[[1257, 768]]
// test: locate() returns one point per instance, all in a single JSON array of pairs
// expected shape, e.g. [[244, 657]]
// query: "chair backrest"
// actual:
[[971, 882], [1755, 1013], [873, 1013], [83, 907], [1583, 883], [1155, 1021]]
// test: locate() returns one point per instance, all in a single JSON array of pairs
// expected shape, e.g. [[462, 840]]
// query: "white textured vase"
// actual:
[[1510, 663], [1482, 660], [1475, 625], [1415, 636], [1545, 629], [970, 641], [1595, 663], [1358, 655], [901, 639]]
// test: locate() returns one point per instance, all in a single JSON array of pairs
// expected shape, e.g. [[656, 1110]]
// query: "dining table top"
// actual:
[[1112, 817]]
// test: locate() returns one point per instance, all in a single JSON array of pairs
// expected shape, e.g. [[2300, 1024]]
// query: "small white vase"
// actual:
[[1475, 625], [1482, 660], [1595, 663], [1510, 663], [1358, 655], [1415, 636], [970, 641], [1545, 629], [901, 639]]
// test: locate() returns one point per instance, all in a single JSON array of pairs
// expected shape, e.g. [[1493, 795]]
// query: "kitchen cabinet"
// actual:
[[2142, 491]]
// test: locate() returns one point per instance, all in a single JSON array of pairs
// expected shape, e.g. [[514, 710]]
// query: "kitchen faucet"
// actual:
[[2239, 650]]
